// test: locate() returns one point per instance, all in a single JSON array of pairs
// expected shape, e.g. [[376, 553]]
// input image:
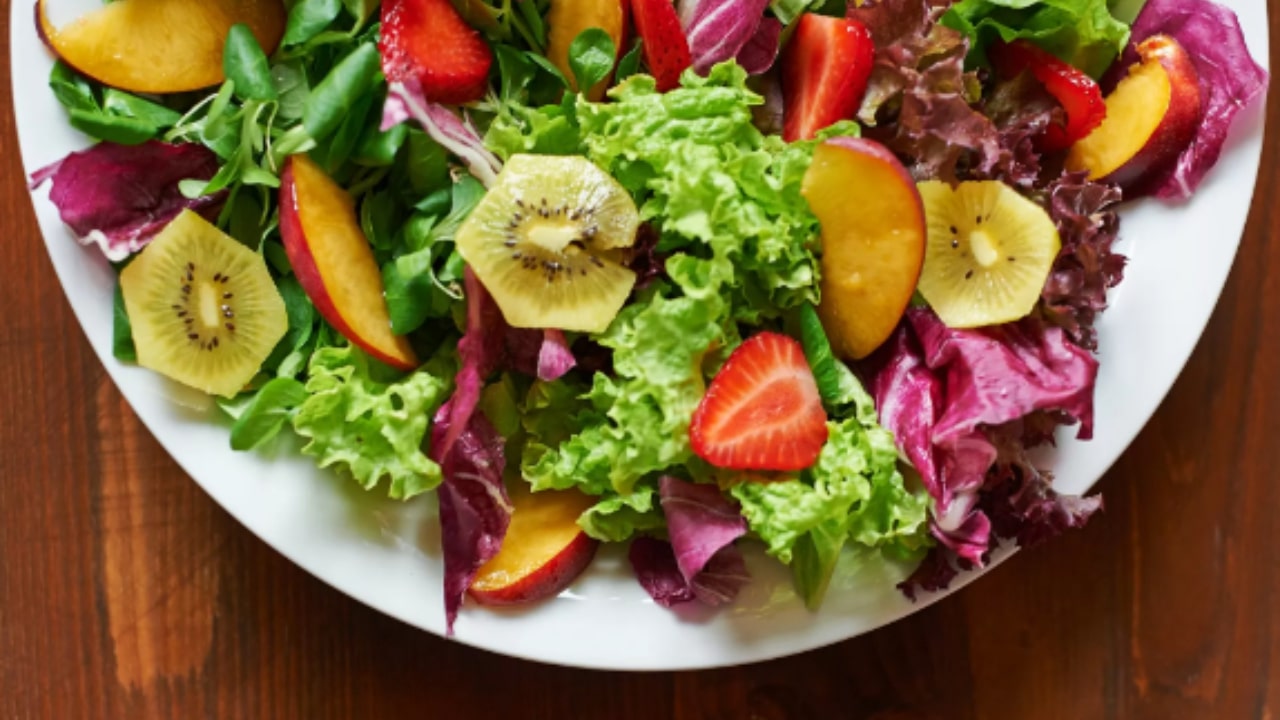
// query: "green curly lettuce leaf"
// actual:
[[852, 494], [369, 425], [1081, 32]]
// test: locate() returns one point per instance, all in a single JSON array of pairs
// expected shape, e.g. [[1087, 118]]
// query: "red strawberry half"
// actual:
[[762, 411], [428, 40], [825, 68], [666, 49]]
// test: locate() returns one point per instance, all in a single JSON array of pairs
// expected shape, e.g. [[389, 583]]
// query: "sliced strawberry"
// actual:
[[666, 49], [825, 67], [428, 40], [762, 411], [1077, 93]]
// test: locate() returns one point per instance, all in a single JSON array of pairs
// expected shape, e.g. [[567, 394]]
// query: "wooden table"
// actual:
[[125, 592]]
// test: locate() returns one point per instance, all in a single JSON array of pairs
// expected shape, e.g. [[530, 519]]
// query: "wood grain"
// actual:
[[126, 593]]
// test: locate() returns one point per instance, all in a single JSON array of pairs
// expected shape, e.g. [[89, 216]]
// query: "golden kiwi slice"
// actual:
[[203, 307], [544, 242], [988, 253]]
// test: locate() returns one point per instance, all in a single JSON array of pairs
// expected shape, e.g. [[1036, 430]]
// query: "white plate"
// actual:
[[386, 554]]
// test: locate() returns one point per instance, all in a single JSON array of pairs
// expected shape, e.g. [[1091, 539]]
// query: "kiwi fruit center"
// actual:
[[547, 242]]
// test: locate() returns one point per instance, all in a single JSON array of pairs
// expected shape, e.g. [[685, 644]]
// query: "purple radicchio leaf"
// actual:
[[654, 563], [475, 510], [700, 562], [480, 354], [718, 30], [761, 51], [119, 197], [405, 100], [961, 404], [1230, 81], [702, 525]]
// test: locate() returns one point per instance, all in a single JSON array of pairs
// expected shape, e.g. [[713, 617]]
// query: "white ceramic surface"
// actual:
[[386, 554]]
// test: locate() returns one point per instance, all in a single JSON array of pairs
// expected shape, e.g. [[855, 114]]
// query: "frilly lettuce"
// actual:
[[638, 421], [371, 426], [853, 493], [1081, 32]]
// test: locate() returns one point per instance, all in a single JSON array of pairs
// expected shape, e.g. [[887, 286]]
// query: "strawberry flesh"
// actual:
[[666, 49], [762, 411], [825, 68], [1077, 93], [427, 40]]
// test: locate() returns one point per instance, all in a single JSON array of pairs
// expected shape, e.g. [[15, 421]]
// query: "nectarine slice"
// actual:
[[158, 46], [1152, 116], [873, 234], [543, 552], [334, 262]]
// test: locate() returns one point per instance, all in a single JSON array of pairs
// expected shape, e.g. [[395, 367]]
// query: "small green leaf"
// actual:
[[112, 128], [279, 259], [516, 71], [630, 63], [71, 88], [270, 408], [377, 148], [817, 350], [333, 98], [246, 66], [125, 104], [122, 330], [428, 163], [813, 561], [307, 18], [591, 56], [360, 9], [537, 25]]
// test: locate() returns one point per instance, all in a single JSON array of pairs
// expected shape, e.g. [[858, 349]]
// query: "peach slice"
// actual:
[[567, 18], [158, 46], [873, 241], [334, 262], [543, 552], [1152, 116]]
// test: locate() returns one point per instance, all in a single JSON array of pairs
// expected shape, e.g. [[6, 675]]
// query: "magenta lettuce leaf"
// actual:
[[962, 405], [1230, 81], [475, 510], [118, 197], [701, 562]]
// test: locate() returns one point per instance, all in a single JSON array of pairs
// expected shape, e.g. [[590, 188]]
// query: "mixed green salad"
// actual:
[[682, 275]]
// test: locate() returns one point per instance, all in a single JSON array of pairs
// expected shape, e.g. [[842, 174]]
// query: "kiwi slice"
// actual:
[[547, 241], [204, 309], [988, 253]]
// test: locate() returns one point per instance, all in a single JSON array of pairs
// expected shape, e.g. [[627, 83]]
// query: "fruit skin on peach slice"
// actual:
[[158, 46], [1152, 116], [334, 263], [568, 18], [543, 552], [873, 241]]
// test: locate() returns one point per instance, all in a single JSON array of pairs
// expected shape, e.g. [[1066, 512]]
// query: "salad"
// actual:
[[682, 275]]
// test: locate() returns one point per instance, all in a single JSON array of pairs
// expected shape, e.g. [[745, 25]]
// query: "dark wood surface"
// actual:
[[125, 592]]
